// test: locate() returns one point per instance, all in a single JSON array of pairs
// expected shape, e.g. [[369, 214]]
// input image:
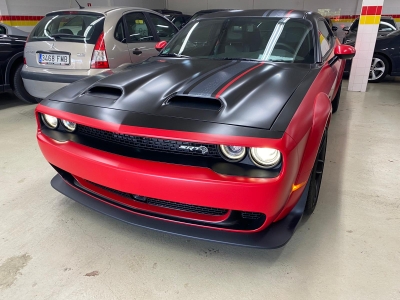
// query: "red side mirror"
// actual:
[[345, 52], [161, 45]]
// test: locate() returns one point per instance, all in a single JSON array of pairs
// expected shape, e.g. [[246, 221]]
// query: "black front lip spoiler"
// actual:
[[51, 77], [275, 236]]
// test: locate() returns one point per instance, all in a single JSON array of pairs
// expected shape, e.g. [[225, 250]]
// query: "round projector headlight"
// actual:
[[265, 157], [70, 126], [233, 153], [50, 121]]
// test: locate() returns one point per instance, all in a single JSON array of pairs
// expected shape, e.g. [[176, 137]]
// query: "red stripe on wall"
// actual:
[[371, 10], [356, 16], [20, 18]]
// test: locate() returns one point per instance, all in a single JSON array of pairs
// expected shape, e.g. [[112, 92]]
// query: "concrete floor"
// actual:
[[54, 248]]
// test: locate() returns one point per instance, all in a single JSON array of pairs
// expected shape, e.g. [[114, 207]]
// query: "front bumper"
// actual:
[[275, 236]]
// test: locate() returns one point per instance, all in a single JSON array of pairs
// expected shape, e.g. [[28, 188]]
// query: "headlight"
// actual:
[[265, 157], [233, 153], [50, 121], [70, 126]]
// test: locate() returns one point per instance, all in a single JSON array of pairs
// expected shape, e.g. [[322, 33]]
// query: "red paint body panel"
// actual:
[[202, 186], [185, 184]]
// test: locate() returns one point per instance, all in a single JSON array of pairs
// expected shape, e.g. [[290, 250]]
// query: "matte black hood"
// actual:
[[250, 93]]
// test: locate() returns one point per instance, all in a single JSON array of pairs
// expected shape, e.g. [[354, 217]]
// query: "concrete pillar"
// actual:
[[370, 17]]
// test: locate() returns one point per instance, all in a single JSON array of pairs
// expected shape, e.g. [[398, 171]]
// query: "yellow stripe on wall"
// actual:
[[370, 20], [20, 23]]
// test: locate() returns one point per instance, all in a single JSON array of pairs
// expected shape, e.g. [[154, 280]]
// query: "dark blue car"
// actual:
[[386, 59]]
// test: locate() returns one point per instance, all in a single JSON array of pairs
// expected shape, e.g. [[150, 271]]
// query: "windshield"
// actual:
[[77, 27], [246, 38]]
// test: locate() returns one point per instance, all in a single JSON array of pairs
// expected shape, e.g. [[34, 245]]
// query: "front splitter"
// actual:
[[275, 236]]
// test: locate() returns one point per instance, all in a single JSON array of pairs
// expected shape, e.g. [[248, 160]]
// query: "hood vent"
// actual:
[[105, 92], [195, 102]]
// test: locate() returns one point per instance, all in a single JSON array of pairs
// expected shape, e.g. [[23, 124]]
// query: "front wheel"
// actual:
[[19, 88], [316, 176], [379, 68]]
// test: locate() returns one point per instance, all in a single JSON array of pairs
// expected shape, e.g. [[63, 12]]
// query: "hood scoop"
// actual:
[[194, 102], [107, 92]]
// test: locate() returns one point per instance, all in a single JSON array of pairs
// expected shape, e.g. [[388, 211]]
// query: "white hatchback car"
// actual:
[[68, 45]]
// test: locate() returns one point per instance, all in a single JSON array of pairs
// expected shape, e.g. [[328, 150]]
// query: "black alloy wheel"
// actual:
[[336, 100], [316, 176]]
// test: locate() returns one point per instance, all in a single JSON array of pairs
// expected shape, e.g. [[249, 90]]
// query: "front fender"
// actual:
[[321, 117], [320, 121]]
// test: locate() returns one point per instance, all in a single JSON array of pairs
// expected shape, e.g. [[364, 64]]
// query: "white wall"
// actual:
[[41, 7], [346, 7]]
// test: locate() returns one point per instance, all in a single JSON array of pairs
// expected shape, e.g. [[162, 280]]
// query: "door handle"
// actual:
[[137, 51]]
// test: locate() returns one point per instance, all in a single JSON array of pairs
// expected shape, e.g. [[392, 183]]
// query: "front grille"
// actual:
[[251, 215], [203, 210], [152, 144]]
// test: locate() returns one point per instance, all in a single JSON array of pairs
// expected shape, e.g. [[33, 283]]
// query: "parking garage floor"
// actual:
[[54, 248]]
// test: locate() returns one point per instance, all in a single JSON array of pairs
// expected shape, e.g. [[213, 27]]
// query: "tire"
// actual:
[[19, 88], [336, 100], [379, 68], [316, 177]]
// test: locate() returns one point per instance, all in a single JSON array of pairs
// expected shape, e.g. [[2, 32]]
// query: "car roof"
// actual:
[[14, 31], [102, 10], [279, 13]]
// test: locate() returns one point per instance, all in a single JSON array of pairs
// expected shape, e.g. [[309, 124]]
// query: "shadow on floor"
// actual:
[[10, 100]]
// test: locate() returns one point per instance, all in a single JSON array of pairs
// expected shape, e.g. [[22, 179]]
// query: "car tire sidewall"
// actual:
[[387, 65], [310, 204], [336, 100], [19, 88]]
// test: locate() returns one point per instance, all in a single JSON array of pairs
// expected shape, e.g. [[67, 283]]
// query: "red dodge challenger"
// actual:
[[221, 137]]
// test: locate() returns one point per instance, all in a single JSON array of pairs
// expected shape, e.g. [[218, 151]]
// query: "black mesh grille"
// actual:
[[153, 144], [168, 204], [251, 215]]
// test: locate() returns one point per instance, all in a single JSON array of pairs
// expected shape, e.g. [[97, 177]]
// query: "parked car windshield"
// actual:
[[83, 27], [246, 38]]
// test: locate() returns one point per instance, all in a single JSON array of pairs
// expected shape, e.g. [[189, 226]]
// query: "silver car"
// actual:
[[68, 45]]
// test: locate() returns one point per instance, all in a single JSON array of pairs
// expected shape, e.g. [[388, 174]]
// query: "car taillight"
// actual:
[[24, 60], [99, 56]]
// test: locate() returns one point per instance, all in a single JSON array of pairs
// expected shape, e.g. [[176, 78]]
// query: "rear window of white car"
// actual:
[[79, 27]]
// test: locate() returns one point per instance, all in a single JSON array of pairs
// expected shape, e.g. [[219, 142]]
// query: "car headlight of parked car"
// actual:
[[69, 126], [265, 157], [50, 121], [233, 153]]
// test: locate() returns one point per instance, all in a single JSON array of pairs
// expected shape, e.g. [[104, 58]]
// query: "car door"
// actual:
[[165, 30], [140, 36], [327, 42]]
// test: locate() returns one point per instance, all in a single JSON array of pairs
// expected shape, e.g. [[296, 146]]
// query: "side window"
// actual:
[[3, 30], [354, 26], [165, 30], [119, 33], [326, 37], [386, 27], [138, 29]]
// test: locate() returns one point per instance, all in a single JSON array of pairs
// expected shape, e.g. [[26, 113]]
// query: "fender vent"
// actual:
[[195, 102], [105, 92]]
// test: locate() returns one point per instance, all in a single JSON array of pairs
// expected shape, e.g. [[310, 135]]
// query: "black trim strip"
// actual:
[[51, 77], [276, 235]]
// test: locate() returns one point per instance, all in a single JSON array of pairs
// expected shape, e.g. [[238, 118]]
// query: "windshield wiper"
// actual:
[[174, 55]]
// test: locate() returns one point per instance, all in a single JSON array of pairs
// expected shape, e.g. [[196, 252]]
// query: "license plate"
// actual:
[[54, 59]]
